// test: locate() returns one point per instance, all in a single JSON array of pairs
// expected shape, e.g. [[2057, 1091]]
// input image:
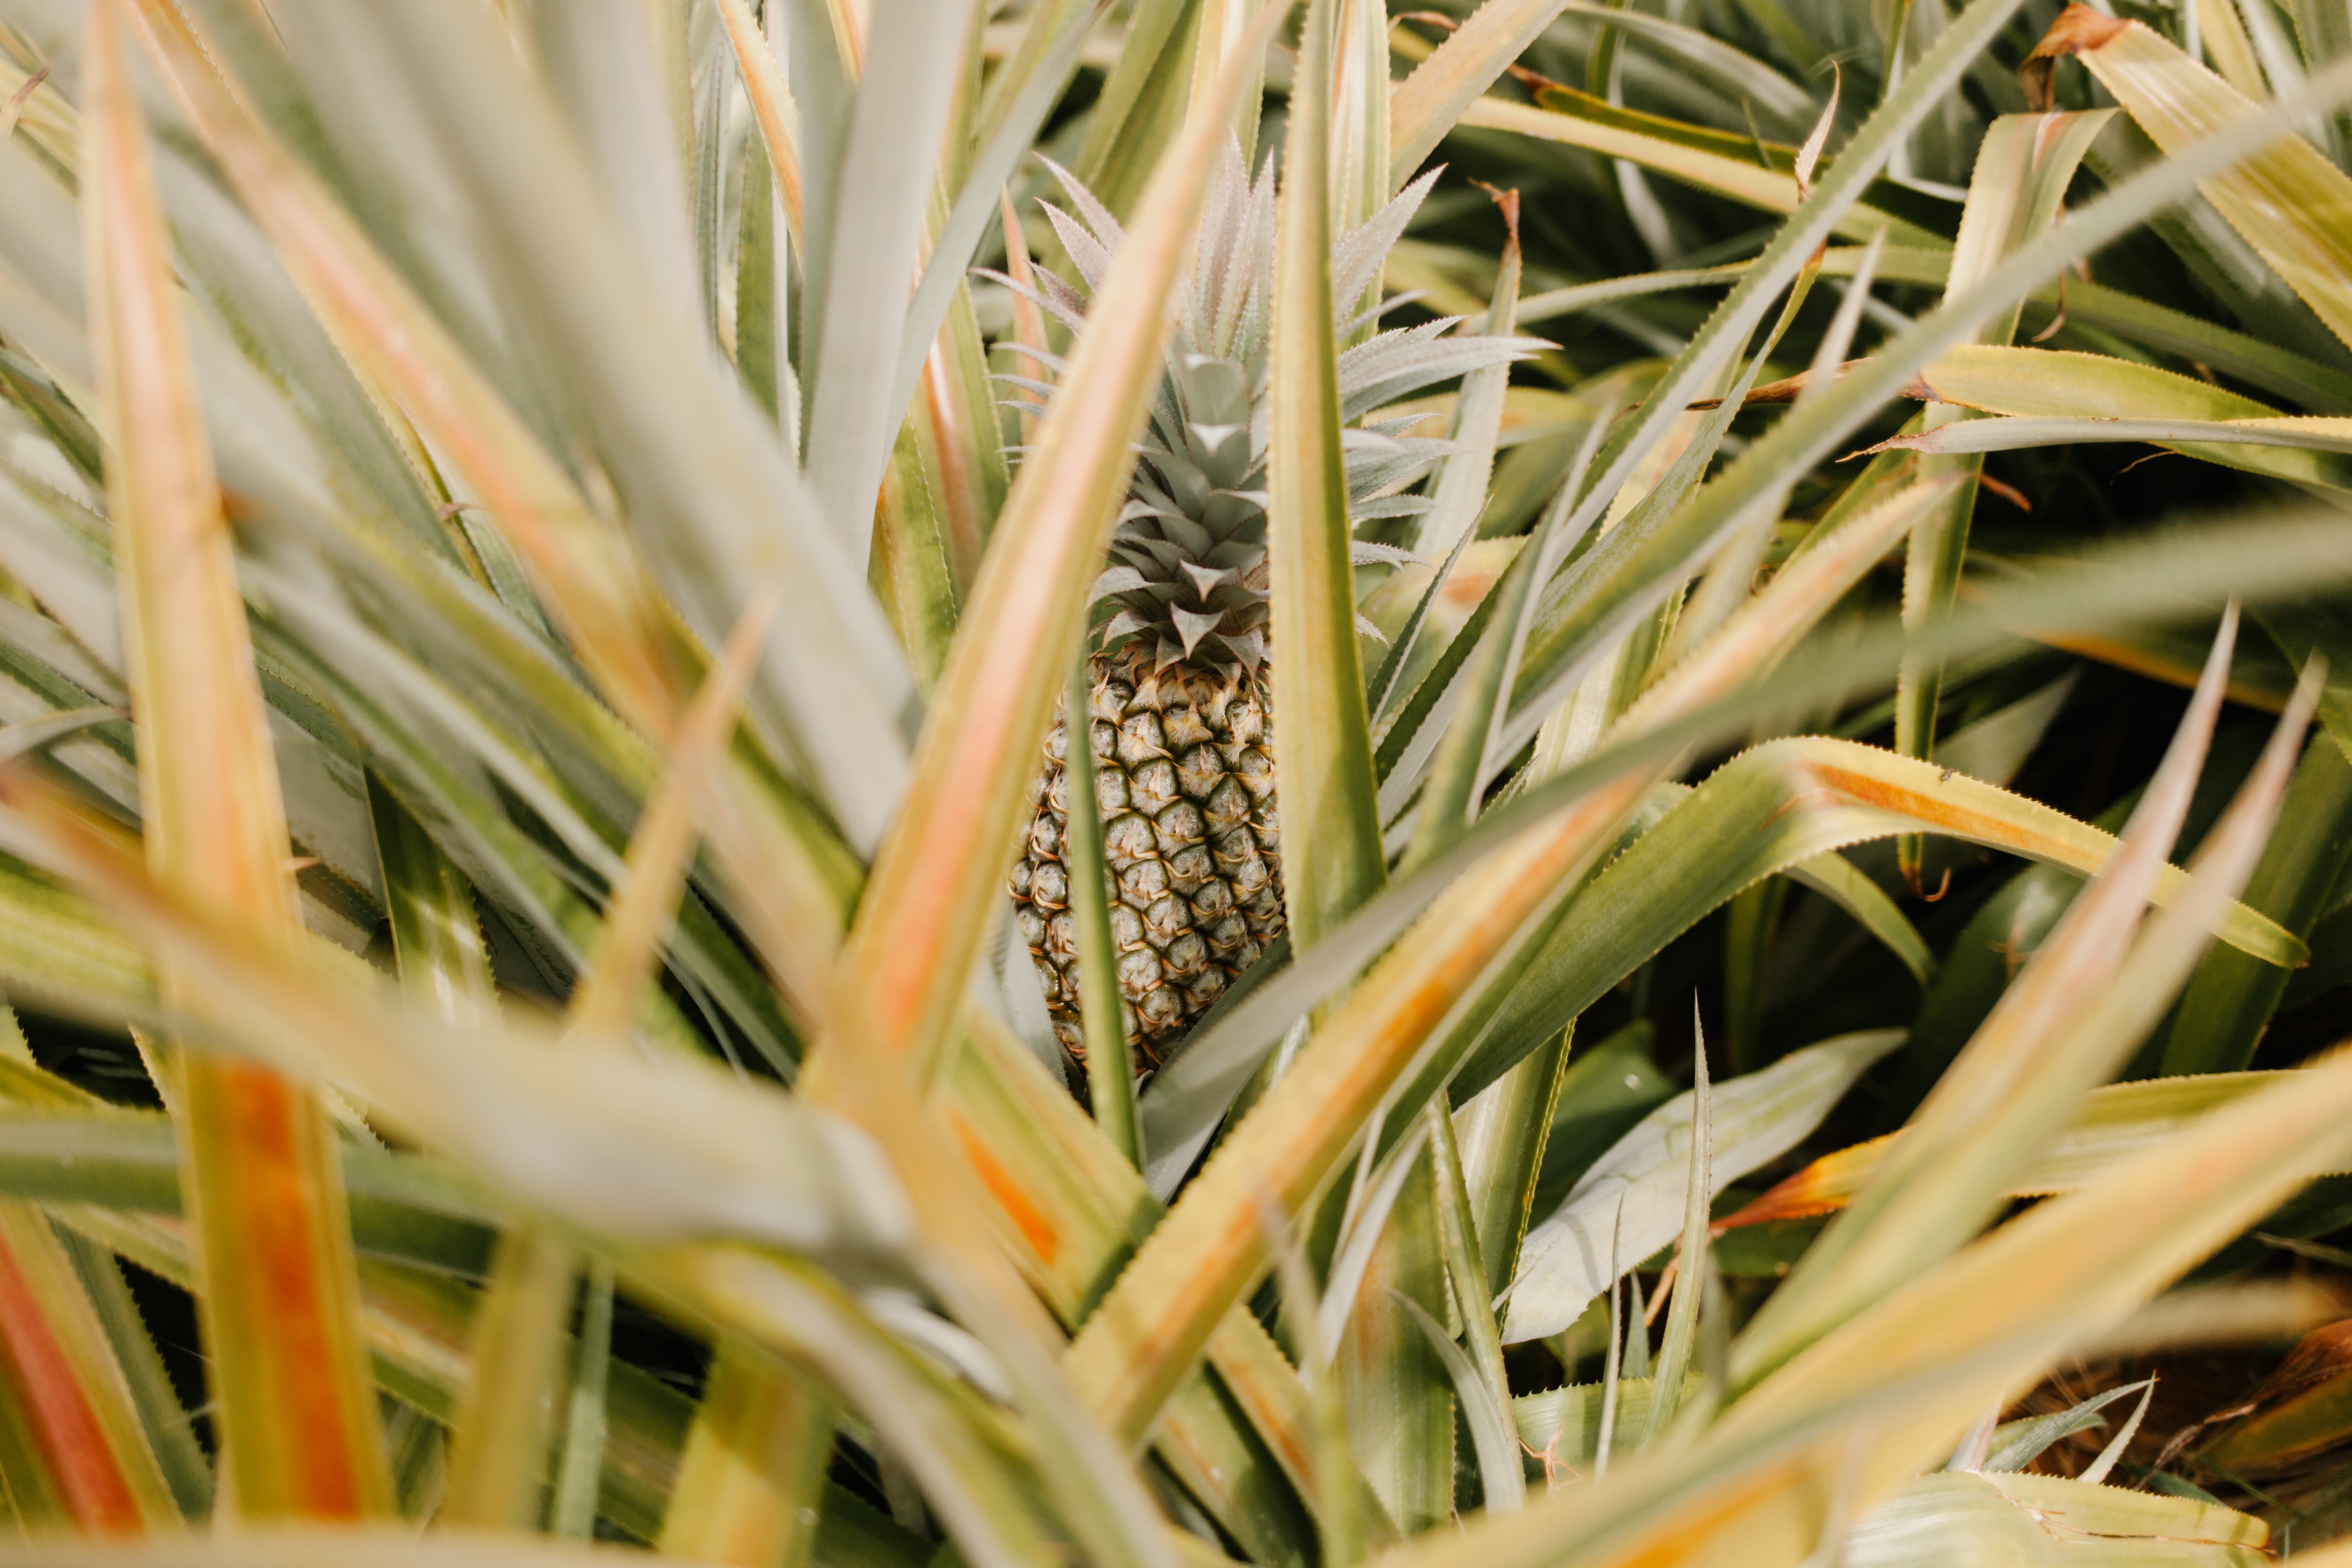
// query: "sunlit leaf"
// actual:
[[2286, 202], [1636, 1192], [281, 1305]]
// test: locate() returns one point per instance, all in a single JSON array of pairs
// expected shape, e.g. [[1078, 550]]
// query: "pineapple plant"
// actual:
[[527, 647], [1178, 709]]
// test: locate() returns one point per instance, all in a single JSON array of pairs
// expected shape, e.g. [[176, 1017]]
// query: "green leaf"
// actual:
[[2064, 395], [1110, 1083], [784, 1308], [171, 1436], [1361, 91], [2073, 1017], [780, 177], [1042, 84], [1628, 573], [2116, 1123], [1562, 1426], [499, 1441], [2230, 998], [1879, 1401], [1151, 90], [686, 450], [1504, 1132], [2268, 559], [1460, 491], [1331, 858], [1487, 911], [753, 1474], [1771, 809], [850, 368], [910, 563], [1837, 879], [1466, 1271], [1714, 160], [1070, 1207], [1429, 102], [1499, 1476], [1396, 1388], [1731, 71], [1691, 1256], [281, 1326], [2023, 169], [572, 1510], [2258, 362], [1639, 1190], [2017, 1444], [702, 1144]]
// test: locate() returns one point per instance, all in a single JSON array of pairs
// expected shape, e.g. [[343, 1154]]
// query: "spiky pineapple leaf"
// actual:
[[1637, 1191]]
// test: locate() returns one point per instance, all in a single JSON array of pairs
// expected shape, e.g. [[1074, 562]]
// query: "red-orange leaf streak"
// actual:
[[1852, 786], [1826, 1185], [1044, 1240], [265, 1120], [65, 1425]]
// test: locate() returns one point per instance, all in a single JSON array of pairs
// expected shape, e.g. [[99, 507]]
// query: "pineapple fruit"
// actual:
[[1180, 708]]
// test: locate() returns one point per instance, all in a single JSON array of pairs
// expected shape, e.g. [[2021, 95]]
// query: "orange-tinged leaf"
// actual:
[[13, 108], [2302, 1411], [2115, 1122], [281, 1303], [753, 1468], [399, 345], [1028, 341], [67, 1388], [771, 99], [641, 658]]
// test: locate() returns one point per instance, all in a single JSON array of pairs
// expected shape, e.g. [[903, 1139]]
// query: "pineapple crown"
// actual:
[[1187, 568]]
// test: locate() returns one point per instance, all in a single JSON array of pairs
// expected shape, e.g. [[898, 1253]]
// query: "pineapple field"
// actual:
[[1009, 783]]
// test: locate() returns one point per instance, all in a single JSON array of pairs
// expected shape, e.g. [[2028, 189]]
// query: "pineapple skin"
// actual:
[[1184, 783]]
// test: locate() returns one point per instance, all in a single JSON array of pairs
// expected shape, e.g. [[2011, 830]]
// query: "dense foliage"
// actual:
[[1676, 673]]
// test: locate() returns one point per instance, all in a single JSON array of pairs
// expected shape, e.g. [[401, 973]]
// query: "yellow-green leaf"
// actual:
[[2054, 384], [2287, 201], [281, 1302]]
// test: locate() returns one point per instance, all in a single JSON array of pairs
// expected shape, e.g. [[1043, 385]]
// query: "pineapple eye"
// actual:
[[1138, 974], [1178, 826], [1144, 883], [1127, 840], [1186, 956]]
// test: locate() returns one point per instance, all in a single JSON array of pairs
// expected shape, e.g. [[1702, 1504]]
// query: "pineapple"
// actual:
[[1180, 708]]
